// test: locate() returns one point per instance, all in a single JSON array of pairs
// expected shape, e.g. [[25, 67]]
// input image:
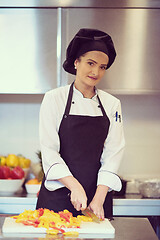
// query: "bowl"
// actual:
[[32, 188], [149, 188], [10, 186]]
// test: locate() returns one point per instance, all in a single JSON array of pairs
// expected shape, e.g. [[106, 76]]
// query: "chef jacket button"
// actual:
[[99, 106], [65, 116], [73, 102]]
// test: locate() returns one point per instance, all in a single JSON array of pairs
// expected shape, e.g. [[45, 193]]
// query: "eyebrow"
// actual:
[[96, 62]]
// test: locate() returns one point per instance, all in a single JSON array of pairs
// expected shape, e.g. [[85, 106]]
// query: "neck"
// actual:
[[87, 91]]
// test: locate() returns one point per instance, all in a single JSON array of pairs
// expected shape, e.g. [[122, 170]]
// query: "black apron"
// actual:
[[81, 145]]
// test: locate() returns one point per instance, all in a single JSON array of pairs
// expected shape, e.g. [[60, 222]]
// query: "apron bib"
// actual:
[[81, 145]]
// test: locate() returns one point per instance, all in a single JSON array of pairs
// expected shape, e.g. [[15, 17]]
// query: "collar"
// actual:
[[76, 91]]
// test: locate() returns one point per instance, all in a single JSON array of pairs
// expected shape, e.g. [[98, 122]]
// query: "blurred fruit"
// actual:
[[33, 181], [39, 174], [24, 162], [12, 160], [4, 172], [17, 173], [37, 170], [2, 161]]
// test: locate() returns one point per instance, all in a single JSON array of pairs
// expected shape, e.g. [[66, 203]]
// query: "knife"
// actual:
[[88, 213]]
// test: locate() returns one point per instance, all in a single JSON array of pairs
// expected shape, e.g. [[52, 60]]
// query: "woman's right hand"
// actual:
[[78, 198]]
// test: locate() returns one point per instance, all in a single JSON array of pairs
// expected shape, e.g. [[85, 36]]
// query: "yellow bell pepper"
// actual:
[[52, 232], [12, 160], [71, 234], [24, 162], [2, 161]]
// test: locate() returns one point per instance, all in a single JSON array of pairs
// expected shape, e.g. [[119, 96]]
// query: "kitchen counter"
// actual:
[[129, 205], [125, 229]]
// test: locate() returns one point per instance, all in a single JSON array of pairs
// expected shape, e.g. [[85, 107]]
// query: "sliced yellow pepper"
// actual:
[[53, 222], [71, 233], [52, 232], [84, 218]]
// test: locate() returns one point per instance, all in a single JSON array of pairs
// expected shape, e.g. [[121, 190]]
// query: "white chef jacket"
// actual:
[[51, 113]]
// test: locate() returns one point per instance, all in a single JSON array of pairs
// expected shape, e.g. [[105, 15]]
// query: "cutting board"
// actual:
[[104, 228]]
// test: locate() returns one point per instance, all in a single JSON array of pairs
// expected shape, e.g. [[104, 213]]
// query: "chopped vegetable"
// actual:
[[52, 232], [71, 234], [55, 223]]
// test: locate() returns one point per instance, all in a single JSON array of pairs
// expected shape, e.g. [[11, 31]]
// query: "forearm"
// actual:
[[70, 182], [78, 196], [97, 202], [100, 194]]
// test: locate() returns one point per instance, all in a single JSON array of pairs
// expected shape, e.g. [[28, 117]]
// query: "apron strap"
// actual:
[[101, 106], [68, 105]]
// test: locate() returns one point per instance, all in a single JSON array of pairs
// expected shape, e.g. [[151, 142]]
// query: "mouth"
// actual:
[[93, 78]]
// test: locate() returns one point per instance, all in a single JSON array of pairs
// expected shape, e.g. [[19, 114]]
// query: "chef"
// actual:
[[81, 132]]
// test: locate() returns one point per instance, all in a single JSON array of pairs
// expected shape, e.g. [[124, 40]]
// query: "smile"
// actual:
[[93, 78]]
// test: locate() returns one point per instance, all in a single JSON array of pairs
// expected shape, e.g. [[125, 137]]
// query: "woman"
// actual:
[[81, 132]]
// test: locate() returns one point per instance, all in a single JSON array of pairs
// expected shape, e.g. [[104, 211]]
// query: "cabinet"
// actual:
[[136, 35], [28, 56], [30, 44]]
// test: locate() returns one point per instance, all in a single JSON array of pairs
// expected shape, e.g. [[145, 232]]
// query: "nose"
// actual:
[[95, 71]]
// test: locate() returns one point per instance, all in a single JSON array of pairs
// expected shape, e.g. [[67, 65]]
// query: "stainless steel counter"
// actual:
[[125, 229], [130, 205]]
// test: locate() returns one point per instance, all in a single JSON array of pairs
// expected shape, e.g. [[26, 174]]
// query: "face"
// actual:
[[91, 68]]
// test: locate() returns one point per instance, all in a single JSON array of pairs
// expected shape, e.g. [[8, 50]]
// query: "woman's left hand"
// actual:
[[97, 209], [96, 205]]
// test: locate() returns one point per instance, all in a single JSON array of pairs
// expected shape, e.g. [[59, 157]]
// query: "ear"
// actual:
[[76, 63]]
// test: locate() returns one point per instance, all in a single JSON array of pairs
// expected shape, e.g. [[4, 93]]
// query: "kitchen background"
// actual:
[[33, 39]]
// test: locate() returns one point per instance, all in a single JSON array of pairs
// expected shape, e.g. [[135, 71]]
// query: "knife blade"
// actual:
[[88, 213]]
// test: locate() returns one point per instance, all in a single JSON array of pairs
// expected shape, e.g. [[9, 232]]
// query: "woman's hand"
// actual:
[[97, 208], [96, 205], [78, 196]]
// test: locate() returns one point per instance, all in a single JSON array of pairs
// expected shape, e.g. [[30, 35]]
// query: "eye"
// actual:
[[91, 63], [103, 67]]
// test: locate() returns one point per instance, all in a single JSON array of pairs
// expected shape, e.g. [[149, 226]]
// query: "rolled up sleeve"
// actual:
[[53, 165], [112, 152]]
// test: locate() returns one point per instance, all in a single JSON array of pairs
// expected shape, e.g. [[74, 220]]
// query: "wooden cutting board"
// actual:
[[104, 228]]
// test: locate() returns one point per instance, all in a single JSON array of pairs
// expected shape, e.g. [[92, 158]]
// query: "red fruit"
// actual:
[[17, 173], [4, 172]]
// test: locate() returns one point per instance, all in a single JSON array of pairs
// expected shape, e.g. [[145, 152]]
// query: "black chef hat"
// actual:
[[88, 40]]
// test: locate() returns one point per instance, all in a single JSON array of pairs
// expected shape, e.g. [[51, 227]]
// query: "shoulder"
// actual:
[[54, 100], [58, 94]]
